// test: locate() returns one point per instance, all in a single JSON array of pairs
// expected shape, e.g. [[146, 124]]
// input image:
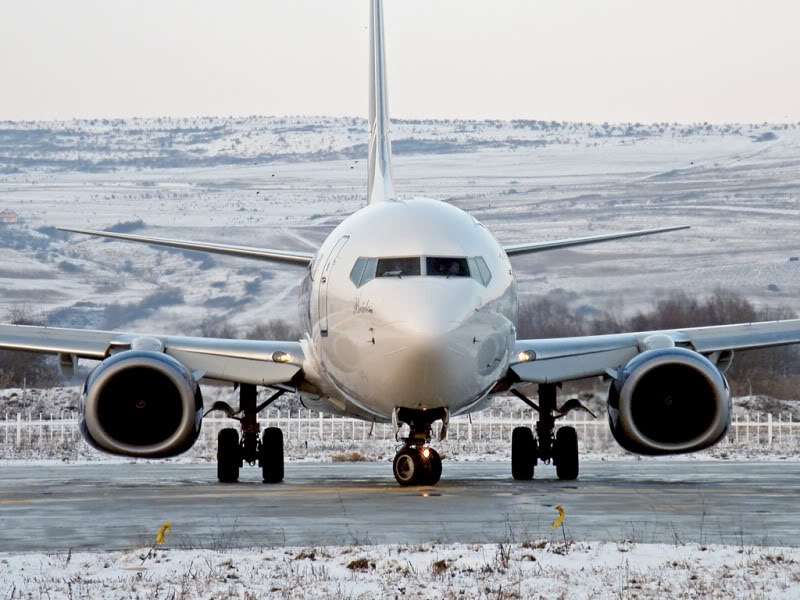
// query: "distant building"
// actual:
[[9, 217]]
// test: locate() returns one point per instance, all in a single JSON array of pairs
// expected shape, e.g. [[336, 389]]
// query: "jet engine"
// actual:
[[141, 403], [669, 401]]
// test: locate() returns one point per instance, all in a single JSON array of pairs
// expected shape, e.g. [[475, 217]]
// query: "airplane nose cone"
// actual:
[[432, 350]]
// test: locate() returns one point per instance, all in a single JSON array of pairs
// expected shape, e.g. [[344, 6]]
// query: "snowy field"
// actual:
[[285, 183], [541, 569]]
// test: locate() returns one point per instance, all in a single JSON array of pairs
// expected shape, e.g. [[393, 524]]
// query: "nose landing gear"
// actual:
[[417, 466], [416, 463]]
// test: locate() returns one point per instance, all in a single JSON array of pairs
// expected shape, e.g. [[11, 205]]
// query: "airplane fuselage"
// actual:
[[407, 304]]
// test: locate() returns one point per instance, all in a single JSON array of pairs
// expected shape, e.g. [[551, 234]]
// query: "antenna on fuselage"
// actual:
[[380, 188]]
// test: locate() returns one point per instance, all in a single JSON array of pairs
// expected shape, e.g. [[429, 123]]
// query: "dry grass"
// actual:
[[351, 457]]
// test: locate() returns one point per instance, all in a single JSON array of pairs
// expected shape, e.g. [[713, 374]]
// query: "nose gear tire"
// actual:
[[434, 470], [407, 466]]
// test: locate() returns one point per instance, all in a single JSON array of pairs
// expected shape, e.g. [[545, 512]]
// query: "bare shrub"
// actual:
[[29, 368], [275, 329], [547, 317], [218, 329]]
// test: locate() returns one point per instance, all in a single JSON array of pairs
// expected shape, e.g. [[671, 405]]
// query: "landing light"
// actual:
[[526, 356], [282, 357], [426, 453]]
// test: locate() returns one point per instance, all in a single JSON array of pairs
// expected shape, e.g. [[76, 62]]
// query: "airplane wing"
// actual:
[[583, 241], [562, 359], [241, 361], [295, 258]]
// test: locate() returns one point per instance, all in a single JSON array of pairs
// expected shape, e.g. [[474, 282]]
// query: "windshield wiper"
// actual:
[[392, 274]]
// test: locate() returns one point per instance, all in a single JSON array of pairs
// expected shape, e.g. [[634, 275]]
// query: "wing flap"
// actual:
[[565, 359], [54, 340], [239, 361], [744, 336]]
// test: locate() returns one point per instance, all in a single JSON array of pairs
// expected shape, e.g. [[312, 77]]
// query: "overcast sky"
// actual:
[[610, 60]]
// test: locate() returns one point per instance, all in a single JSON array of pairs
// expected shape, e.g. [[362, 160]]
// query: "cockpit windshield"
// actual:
[[366, 269], [446, 267], [398, 267]]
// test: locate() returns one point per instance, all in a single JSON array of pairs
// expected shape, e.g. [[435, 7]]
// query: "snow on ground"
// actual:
[[510, 568]]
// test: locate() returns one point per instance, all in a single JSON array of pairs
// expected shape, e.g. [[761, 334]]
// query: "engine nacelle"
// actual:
[[669, 401], [141, 403]]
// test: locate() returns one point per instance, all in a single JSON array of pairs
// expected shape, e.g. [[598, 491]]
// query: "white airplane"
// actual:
[[408, 311]]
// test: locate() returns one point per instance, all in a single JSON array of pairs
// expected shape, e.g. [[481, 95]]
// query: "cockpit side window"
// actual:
[[369, 270], [363, 271], [473, 270], [446, 267], [398, 267], [486, 275], [358, 271]]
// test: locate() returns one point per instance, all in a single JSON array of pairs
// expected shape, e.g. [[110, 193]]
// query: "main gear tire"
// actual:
[[566, 453], [523, 453], [229, 456], [270, 455]]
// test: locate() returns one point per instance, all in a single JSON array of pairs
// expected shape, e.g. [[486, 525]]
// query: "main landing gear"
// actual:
[[561, 449], [232, 452], [416, 463]]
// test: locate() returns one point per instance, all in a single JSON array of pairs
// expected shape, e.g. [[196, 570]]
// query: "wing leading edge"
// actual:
[[283, 256], [583, 241], [565, 359], [238, 361]]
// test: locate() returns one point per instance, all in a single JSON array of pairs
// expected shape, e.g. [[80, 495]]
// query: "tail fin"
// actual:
[[380, 146]]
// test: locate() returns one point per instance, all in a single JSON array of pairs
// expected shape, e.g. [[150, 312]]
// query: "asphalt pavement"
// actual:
[[113, 506]]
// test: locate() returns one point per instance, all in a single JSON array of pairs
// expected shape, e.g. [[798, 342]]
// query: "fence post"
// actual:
[[19, 429], [769, 430]]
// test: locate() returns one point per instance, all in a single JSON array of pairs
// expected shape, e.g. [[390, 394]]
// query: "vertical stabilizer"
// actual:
[[380, 146]]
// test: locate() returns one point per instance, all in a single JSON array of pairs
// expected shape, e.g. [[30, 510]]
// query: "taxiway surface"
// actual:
[[112, 506]]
